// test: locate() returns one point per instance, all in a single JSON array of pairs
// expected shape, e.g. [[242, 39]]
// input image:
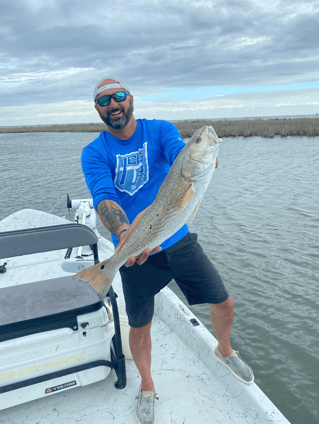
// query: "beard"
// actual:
[[121, 122]]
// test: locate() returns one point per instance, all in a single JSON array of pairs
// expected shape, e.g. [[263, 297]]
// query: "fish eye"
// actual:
[[198, 140]]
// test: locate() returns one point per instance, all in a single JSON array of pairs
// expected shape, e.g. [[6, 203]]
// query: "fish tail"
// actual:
[[99, 277]]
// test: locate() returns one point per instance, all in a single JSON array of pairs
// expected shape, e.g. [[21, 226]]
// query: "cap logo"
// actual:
[[106, 87]]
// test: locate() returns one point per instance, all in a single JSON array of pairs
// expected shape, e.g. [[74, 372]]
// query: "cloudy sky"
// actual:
[[181, 59]]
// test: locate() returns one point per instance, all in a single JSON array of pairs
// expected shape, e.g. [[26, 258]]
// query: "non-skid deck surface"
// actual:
[[186, 390]]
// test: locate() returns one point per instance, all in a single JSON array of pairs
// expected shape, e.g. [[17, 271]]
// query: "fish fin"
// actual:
[[99, 277], [194, 211], [186, 196]]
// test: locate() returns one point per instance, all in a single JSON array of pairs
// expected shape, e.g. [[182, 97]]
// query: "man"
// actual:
[[124, 168]]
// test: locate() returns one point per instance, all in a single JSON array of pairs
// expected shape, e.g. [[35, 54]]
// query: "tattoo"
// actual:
[[112, 215]]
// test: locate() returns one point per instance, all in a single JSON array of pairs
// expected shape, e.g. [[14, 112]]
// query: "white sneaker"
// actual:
[[236, 366], [145, 413]]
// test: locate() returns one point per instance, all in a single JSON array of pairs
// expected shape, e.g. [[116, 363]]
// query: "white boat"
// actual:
[[64, 373]]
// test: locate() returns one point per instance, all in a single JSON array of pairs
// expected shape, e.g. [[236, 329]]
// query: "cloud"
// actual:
[[269, 103], [54, 51]]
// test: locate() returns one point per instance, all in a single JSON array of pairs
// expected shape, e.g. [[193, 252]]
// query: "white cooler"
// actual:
[[55, 335]]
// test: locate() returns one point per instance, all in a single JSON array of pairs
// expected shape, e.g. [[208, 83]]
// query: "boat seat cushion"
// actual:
[[44, 305]]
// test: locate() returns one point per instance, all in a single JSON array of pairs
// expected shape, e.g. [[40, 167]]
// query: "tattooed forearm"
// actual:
[[112, 216]]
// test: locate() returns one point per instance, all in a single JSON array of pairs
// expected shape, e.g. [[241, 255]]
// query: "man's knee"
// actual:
[[224, 307], [140, 333]]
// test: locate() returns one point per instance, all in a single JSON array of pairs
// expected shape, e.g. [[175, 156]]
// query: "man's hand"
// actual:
[[142, 257]]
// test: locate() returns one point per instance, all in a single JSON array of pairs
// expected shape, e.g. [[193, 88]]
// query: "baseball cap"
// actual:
[[120, 84]]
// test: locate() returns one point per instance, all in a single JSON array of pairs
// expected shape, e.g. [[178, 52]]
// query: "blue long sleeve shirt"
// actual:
[[130, 172]]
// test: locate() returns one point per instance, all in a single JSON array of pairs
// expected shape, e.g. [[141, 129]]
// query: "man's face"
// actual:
[[117, 114]]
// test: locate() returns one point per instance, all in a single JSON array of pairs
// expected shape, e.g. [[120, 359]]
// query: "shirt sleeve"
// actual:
[[98, 176], [171, 141]]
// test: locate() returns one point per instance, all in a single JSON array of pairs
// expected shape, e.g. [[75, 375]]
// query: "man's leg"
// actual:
[[200, 282], [221, 317], [141, 345], [140, 285]]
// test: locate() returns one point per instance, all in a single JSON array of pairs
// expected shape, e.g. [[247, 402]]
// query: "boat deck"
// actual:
[[192, 387]]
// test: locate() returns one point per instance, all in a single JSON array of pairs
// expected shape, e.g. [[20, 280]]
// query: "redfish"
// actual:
[[176, 202]]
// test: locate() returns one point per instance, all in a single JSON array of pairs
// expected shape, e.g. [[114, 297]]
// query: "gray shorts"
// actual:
[[186, 263]]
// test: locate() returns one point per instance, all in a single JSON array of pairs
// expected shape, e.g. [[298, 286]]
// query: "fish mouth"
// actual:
[[213, 137]]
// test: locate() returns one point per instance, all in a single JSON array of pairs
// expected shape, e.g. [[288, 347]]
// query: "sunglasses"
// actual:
[[106, 100]]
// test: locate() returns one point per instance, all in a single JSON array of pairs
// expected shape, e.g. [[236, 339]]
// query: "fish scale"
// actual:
[[176, 202]]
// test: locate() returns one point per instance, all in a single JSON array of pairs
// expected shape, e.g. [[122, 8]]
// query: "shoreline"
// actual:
[[267, 128]]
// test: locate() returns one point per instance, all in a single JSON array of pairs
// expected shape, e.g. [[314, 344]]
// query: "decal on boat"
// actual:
[[60, 387]]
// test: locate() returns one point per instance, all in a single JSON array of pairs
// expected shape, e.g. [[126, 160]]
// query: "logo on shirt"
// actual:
[[132, 171]]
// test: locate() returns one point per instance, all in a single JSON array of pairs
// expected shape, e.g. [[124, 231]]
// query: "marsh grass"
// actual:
[[267, 128]]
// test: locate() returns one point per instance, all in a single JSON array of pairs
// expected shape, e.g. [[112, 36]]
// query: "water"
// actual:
[[258, 222]]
